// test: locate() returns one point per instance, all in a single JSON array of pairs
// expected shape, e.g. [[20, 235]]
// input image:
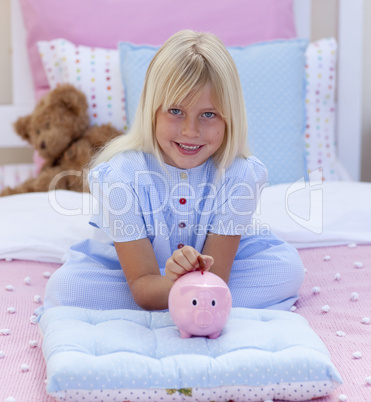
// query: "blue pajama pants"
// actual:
[[267, 273]]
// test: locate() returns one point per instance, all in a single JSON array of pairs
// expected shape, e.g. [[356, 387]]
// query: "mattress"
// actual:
[[335, 295]]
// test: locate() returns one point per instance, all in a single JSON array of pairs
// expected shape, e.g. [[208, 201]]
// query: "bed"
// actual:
[[316, 202]]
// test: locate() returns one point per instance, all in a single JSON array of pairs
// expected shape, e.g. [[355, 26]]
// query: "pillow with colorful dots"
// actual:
[[95, 71], [273, 82], [320, 141]]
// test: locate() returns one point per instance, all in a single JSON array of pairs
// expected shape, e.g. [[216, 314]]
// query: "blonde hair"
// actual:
[[186, 63]]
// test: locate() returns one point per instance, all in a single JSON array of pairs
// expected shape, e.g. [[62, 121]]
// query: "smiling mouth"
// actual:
[[189, 147]]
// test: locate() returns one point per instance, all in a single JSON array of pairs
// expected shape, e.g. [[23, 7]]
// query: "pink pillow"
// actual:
[[104, 23]]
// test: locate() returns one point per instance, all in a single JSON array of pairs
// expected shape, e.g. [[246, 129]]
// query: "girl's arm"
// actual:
[[149, 288], [223, 249]]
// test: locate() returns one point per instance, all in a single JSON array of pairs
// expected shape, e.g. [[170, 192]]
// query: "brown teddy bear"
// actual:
[[59, 130]]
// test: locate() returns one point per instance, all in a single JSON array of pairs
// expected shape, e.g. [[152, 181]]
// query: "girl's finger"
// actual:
[[171, 275], [208, 261], [201, 263], [192, 256], [173, 271], [186, 259], [175, 268]]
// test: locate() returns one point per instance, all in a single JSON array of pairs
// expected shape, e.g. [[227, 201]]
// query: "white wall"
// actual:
[[5, 65], [324, 19], [8, 155], [366, 101]]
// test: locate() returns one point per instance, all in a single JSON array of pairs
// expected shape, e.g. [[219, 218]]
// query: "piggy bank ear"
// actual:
[[187, 288], [221, 290]]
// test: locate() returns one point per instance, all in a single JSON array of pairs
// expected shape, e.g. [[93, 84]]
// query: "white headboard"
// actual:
[[350, 34], [22, 86], [349, 106]]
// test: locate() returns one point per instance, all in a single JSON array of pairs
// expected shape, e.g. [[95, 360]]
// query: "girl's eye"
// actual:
[[175, 112], [209, 114]]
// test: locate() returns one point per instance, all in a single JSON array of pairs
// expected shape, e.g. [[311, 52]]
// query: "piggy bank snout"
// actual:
[[203, 318]]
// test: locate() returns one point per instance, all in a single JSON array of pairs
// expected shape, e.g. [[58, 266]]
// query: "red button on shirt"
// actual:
[[182, 201], [182, 225], [180, 245]]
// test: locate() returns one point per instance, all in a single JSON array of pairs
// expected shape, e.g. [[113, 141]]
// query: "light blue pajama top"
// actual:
[[139, 197]]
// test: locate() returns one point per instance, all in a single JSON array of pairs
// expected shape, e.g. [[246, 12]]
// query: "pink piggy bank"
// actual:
[[199, 304]]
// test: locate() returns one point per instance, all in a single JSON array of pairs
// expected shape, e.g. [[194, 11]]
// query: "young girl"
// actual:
[[179, 186]]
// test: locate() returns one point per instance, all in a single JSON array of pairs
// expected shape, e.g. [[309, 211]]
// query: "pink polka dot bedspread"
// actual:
[[335, 299]]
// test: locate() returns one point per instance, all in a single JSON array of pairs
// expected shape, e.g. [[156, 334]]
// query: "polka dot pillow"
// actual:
[[127, 355], [320, 140], [95, 71]]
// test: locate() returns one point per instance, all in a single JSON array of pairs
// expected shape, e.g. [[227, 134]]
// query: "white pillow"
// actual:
[[43, 226], [316, 213], [95, 71], [14, 174]]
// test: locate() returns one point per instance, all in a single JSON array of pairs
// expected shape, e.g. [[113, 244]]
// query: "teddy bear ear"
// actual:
[[69, 98], [22, 127]]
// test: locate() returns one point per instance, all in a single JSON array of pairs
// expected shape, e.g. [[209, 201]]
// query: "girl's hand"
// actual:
[[185, 260]]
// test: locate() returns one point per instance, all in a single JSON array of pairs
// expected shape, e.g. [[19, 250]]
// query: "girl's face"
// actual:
[[189, 135]]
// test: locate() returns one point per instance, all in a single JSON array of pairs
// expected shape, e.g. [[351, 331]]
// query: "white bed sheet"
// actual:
[[42, 226], [317, 214]]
